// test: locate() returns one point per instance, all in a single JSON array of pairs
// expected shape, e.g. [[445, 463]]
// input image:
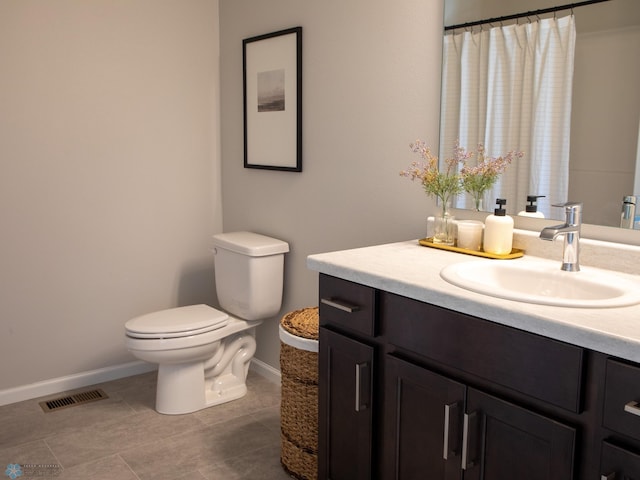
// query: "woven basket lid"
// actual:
[[302, 323]]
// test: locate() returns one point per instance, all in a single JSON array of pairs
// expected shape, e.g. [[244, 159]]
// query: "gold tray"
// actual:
[[428, 242]]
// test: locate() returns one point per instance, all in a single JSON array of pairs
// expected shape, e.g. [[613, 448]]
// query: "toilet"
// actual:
[[203, 353]]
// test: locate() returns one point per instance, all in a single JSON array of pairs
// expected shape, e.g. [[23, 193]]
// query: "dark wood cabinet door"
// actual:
[[345, 408], [507, 442], [619, 464], [423, 423]]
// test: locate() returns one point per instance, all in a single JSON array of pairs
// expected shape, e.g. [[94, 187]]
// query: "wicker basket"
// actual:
[[299, 399]]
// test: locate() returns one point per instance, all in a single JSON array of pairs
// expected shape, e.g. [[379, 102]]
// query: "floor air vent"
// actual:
[[73, 400]]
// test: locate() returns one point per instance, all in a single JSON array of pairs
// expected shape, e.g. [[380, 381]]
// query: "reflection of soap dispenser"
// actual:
[[531, 210], [498, 230]]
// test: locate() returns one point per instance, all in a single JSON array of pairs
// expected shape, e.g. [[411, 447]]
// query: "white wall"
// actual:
[[108, 147], [371, 85]]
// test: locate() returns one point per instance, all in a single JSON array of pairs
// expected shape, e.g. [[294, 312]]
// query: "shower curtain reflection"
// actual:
[[510, 88]]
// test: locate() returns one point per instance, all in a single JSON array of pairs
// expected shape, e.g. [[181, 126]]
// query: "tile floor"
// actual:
[[123, 438]]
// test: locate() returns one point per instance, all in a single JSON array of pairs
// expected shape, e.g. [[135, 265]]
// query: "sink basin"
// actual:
[[542, 282]]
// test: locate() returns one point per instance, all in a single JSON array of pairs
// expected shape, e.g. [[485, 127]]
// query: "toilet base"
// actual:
[[189, 387], [180, 388]]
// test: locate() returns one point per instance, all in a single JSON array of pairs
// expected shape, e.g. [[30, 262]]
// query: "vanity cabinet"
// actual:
[[410, 390]]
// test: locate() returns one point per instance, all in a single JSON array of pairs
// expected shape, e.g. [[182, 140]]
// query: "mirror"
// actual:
[[604, 163]]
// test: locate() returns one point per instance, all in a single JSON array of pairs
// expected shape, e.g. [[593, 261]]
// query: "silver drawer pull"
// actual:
[[611, 476], [466, 434], [449, 413], [340, 305], [632, 408], [361, 371]]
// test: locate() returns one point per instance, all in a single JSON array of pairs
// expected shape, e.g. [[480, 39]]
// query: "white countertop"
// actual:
[[413, 271]]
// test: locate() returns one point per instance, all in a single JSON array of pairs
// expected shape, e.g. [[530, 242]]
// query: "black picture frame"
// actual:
[[272, 94]]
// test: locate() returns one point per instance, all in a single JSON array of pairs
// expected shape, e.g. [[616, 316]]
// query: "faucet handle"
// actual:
[[573, 212]]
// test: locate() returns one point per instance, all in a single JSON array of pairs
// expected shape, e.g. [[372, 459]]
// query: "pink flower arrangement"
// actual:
[[478, 179], [442, 185], [458, 175]]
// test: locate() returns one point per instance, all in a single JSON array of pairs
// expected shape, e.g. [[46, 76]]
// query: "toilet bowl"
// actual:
[[197, 367], [203, 354]]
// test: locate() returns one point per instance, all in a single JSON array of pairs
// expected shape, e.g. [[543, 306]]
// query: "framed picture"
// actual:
[[272, 78]]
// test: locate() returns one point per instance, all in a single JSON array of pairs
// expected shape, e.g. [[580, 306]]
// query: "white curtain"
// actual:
[[510, 88]]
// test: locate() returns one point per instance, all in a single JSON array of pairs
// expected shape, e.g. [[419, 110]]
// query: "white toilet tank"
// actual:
[[249, 272]]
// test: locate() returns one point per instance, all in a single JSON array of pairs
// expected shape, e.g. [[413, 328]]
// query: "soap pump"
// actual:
[[498, 230], [531, 210]]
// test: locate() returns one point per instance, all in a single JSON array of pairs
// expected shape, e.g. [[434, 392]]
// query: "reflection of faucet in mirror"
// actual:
[[571, 231], [628, 215]]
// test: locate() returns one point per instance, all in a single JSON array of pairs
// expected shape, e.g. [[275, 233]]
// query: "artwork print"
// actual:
[[271, 91], [272, 81]]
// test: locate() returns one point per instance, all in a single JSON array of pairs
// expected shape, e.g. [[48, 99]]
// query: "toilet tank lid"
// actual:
[[251, 244]]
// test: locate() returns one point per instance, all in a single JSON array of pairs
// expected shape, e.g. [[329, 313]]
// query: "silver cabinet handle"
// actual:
[[611, 476], [633, 408], [340, 305], [360, 367], [447, 425], [468, 418]]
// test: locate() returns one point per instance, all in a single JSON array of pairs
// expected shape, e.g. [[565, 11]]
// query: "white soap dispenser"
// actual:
[[531, 210], [498, 230]]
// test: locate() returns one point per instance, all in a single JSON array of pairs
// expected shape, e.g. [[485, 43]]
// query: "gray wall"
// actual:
[[371, 83], [109, 158], [108, 147]]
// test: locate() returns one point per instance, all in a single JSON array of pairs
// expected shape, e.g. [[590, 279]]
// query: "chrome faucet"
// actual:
[[571, 231]]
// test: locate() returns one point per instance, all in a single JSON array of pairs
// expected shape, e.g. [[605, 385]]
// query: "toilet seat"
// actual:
[[176, 322]]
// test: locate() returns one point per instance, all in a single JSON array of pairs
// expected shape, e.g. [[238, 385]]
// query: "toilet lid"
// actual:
[[177, 322]]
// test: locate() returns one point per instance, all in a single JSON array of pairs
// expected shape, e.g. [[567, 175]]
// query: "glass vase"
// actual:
[[444, 232], [478, 203]]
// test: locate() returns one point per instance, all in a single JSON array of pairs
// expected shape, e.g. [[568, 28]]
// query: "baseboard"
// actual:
[[71, 382], [265, 370], [101, 375]]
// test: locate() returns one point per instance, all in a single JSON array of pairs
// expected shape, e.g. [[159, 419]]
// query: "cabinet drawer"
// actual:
[[347, 305], [618, 463], [539, 367], [622, 399]]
